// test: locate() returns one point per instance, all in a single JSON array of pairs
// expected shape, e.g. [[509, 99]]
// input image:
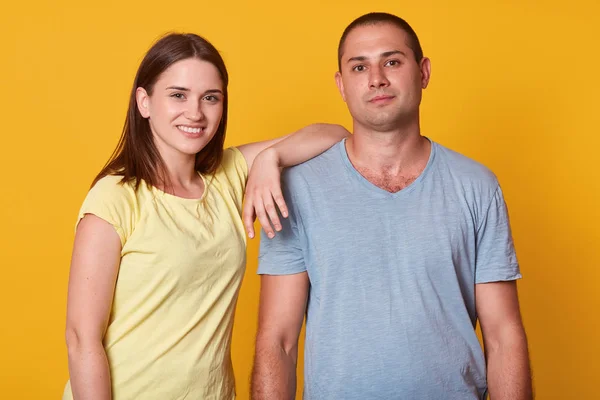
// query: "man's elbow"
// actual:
[[277, 345], [507, 336]]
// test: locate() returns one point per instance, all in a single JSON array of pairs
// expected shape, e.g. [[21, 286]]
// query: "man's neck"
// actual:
[[389, 152]]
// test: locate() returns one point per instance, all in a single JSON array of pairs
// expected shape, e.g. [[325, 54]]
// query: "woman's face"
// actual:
[[185, 107]]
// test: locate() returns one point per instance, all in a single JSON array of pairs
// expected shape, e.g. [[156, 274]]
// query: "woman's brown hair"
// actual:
[[136, 157]]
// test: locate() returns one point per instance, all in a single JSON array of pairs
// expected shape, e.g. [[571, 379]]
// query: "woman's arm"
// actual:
[[265, 159], [94, 267], [299, 146]]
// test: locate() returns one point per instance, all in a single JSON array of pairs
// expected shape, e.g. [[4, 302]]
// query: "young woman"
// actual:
[[159, 250]]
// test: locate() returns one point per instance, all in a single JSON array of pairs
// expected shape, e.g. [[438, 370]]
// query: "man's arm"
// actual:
[[505, 343], [282, 307]]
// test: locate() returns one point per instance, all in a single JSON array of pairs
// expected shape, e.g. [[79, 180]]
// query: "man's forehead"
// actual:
[[378, 38]]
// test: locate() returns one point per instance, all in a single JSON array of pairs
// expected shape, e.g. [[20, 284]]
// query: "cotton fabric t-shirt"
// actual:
[[391, 309], [182, 263]]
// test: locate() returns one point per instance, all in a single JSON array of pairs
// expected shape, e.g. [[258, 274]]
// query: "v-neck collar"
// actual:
[[376, 189]]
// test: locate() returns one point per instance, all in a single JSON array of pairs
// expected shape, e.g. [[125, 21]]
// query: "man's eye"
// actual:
[[178, 95], [359, 68], [393, 63]]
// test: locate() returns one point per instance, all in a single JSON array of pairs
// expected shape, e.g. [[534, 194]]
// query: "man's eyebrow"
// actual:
[[358, 58], [392, 53]]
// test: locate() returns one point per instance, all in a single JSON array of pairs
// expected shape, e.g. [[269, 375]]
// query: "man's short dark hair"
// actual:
[[381, 18]]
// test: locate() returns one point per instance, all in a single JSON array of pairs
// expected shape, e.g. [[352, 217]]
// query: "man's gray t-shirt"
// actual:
[[391, 309]]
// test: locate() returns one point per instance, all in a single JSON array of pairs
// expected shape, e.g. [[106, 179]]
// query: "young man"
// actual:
[[394, 247]]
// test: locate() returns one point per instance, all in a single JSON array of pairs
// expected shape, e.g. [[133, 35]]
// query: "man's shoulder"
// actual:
[[463, 168], [317, 169]]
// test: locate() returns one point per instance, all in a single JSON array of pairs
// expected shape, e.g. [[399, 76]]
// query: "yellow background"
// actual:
[[515, 85]]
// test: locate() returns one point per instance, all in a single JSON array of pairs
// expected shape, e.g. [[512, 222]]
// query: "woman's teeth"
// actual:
[[189, 130]]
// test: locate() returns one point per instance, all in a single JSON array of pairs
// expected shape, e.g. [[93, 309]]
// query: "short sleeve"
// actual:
[[283, 255], [235, 169], [495, 253], [112, 202]]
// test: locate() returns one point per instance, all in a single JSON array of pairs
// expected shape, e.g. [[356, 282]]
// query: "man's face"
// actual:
[[380, 80]]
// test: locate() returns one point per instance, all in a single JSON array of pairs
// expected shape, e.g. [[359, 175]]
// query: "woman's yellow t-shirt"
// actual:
[[182, 263]]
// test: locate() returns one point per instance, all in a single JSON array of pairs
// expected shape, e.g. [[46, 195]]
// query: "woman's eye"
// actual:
[[211, 98]]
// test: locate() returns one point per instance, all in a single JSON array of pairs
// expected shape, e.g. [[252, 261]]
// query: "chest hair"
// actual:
[[387, 181]]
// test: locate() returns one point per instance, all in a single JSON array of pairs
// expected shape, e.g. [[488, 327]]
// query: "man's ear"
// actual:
[[340, 84], [425, 66]]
